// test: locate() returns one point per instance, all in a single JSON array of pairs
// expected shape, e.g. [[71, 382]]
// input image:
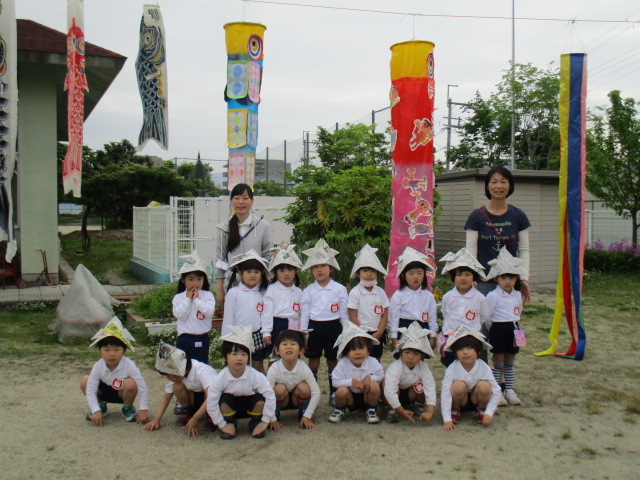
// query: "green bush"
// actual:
[[609, 261], [157, 303], [169, 335]]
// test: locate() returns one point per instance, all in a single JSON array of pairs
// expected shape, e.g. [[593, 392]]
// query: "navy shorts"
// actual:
[[358, 402], [279, 326], [322, 339], [501, 338], [187, 343], [378, 350], [260, 352], [108, 394], [242, 404]]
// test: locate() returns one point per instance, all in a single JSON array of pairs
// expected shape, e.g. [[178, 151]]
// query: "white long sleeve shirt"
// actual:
[[194, 316], [504, 307], [199, 379], [243, 306], [249, 383], [469, 310], [278, 373], [480, 371], [346, 371], [398, 376], [125, 369], [369, 304], [324, 303], [281, 302], [413, 305]]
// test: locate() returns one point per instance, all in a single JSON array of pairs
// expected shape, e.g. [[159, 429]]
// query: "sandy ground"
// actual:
[[572, 424]]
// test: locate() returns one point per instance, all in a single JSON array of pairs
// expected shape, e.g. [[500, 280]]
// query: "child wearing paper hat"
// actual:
[[189, 381], [324, 310], [357, 375], [114, 378], [193, 308], [468, 382], [239, 390], [368, 304], [463, 304], [413, 301], [408, 381], [505, 308]]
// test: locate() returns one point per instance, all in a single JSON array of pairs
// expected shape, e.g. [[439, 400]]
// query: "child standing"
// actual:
[[413, 302], [189, 380], [408, 379], [114, 378], [463, 304], [468, 383], [282, 302], [240, 391], [505, 306], [357, 376], [324, 310], [193, 307], [368, 305], [292, 380], [244, 303]]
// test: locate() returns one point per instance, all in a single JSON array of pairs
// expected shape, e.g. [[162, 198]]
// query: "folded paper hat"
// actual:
[[506, 263], [411, 255], [171, 360], [284, 254], [305, 333], [114, 329], [320, 254], [416, 337], [350, 332], [192, 263], [463, 331], [240, 335], [367, 257], [462, 258], [250, 255]]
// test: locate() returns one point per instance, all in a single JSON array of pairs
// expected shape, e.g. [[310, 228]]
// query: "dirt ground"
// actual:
[[573, 423]]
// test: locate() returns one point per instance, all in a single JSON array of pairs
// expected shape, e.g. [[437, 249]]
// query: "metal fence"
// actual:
[[606, 226]]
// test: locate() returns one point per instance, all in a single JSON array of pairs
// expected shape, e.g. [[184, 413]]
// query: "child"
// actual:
[[468, 383], [408, 379], [357, 376], [114, 378], [292, 380], [283, 298], [189, 380], [193, 307], [324, 310], [413, 302], [463, 304], [244, 303], [240, 391], [368, 304], [505, 306]]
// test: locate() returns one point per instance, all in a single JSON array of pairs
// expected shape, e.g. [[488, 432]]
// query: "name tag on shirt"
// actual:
[[197, 344]]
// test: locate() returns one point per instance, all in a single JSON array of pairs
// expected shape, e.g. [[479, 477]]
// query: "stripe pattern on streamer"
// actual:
[[571, 215]]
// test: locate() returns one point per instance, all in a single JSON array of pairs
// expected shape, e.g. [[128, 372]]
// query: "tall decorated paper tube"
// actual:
[[412, 97], [571, 214], [245, 49]]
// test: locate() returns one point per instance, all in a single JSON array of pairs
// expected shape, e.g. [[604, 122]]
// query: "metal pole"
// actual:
[[266, 165], [513, 81], [284, 169], [373, 121], [449, 105], [307, 152]]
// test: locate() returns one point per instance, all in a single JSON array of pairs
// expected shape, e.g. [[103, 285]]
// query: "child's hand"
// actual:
[[378, 334], [152, 425], [229, 428], [275, 426], [486, 420], [406, 414], [195, 293], [432, 342], [97, 419], [426, 416], [143, 417], [366, 384], [357, 384], [261, 427], [448, 426], [307, 423], [192, 427], [267, 341]]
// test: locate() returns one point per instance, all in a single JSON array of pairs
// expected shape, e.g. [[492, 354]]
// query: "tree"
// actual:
[[353, 145], [613, 170], [486, 133], [268, 188]]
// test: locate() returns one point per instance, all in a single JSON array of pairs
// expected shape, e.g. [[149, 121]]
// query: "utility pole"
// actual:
[[450, 104], [513, 81]]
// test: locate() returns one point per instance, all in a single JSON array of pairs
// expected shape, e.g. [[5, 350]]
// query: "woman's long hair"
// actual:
[[233, 239]]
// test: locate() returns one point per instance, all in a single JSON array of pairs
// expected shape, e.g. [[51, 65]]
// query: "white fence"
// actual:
[[607, 226], [162, 234]]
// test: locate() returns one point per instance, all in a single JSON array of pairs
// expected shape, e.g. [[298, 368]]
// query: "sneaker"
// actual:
[[179, 409], [503, 401], [336, 416], [209, 426], [479, 415], [456, 415], [129, 413], [392, 416], [372, 416], [301, 413], [182, 420], [103, 409], [512, 397], [332, 399], [418, 410]]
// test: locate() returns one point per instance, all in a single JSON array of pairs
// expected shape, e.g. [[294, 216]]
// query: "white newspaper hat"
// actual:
[[411, 255], [320, 254], [114, 329], [350, 332], [192, 263], [171, 360], [416, 337], [240, 335], [506, 263], [250, 255], [462, 258], [367, 257], [463, 331], [284, 254]]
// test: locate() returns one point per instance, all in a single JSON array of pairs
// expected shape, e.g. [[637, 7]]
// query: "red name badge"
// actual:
[[418, 387], [117, 383], [378, 309], [334, 308], [470, 315], [296, 307], [199, 315], [516, 310], [425, 316], [260, 307]]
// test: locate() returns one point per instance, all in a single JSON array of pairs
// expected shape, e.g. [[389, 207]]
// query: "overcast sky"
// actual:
[[323, 66]]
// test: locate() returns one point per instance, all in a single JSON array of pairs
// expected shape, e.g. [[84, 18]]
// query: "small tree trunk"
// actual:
[[86, 240], [634, 226]]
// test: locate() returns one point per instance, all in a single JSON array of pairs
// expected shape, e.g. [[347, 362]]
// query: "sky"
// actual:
[[324, 66]]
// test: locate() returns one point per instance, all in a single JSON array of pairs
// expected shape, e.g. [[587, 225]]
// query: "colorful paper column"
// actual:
[[412, 97], [571, 215], [245, 49], [151, 71], [75, 83]]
